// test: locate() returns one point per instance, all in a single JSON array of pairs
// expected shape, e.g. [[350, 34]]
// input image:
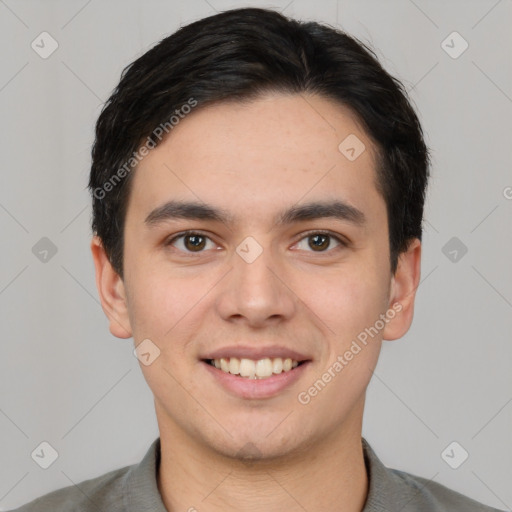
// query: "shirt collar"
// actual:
[[141, 494], [383, 487]]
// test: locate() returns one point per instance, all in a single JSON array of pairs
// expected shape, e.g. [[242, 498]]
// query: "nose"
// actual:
[[256, 292]]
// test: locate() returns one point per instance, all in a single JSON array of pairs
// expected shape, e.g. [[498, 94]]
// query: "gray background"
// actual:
[[65, 380]]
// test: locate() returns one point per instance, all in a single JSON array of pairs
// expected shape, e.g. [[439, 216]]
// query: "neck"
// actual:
[[329, 475]]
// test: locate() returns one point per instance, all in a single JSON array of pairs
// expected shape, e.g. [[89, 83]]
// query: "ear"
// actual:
[[111, 290], [403, 287]]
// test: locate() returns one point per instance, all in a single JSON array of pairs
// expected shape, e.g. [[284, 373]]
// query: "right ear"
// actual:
[[111, 290]]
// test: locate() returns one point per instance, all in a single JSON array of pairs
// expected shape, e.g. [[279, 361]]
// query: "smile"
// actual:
[[251, 369]]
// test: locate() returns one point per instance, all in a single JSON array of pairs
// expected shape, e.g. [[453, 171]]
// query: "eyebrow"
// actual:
[[310, 211]]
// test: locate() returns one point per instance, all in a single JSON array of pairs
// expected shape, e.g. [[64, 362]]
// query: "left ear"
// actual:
[[404, 283]]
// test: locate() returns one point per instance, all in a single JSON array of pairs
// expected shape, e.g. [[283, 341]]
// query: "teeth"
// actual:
[[250, 369], [247, 368], [234, 365], [277, 365], [264, 367], [224, 365]]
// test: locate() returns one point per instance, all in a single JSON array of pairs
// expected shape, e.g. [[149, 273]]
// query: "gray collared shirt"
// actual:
[[134, 489]]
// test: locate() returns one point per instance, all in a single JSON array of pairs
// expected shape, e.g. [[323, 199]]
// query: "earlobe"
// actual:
[[403, 287], [111, 291]]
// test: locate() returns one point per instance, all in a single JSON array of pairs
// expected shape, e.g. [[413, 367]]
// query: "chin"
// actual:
[[254, 452], [254, 445]]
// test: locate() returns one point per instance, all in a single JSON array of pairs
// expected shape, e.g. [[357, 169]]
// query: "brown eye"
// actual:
[[319, 242], [191, 242], [194, 242]]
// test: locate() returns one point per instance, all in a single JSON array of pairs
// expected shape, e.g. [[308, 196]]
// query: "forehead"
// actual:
[[254, 157]]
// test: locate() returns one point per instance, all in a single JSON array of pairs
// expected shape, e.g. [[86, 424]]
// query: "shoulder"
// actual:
[[422, 494], [392, 489], [104, 492]]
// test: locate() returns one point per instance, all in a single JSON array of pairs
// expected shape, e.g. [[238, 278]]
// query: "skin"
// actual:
[[221, 451]]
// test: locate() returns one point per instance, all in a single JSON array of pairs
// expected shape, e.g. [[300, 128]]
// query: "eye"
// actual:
[[190, 241], [320, 241]]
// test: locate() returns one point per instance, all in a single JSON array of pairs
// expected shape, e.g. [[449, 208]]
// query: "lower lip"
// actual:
[[256, 388]]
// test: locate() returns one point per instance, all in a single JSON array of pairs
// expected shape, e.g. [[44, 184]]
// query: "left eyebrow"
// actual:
[[318, 210], [310, 211]]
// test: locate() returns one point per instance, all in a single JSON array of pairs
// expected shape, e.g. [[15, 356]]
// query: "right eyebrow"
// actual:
[[186, 210]]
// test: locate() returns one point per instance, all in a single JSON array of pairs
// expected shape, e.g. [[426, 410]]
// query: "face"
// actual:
[[251, 240]]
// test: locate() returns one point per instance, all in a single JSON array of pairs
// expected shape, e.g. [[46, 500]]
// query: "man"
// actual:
[[258, 188]]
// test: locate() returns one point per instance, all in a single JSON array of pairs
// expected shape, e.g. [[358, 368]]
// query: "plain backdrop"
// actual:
[[66, 380]]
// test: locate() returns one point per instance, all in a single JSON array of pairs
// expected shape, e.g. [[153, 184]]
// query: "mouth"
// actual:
[[259, 369]]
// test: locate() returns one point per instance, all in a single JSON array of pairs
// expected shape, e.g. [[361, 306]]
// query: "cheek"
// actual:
[[162, 303], [347, 299]]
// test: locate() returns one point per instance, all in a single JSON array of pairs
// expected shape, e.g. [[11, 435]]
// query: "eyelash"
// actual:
[[338, 239]]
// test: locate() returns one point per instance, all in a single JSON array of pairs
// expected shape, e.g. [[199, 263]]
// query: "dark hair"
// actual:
[[238, 55]]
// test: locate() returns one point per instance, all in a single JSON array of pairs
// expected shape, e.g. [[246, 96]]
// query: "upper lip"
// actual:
[[256, 353]]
